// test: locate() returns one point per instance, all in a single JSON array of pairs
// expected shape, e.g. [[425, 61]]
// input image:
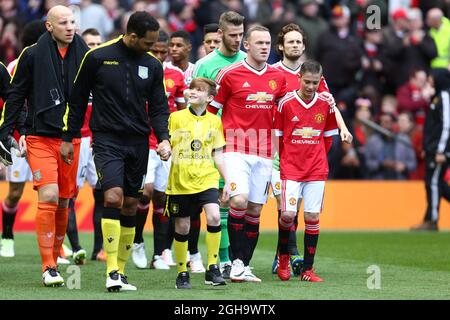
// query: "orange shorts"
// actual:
[[48, 166]]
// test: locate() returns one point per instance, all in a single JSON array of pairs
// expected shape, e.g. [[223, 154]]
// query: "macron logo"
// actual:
[[246, 85], [295, 119]]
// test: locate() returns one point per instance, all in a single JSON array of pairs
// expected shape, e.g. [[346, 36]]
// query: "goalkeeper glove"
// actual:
[[6, 146]]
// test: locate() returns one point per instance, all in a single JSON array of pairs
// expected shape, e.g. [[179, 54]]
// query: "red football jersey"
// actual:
[[248, 98], [85, 130], [302, 127], [175, 86], [12, 66], [186, 73], [292, 80]]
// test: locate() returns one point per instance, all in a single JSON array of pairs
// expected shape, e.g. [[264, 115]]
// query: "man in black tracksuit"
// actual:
[[5, 78], [4, 81], [43, 78], [436, 144], [122, 77]]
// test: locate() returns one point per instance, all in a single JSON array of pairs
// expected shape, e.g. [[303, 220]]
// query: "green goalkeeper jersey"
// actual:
[[276, 162], [209, 66]]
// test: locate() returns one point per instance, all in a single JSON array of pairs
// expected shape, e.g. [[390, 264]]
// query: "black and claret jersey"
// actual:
[[121, 83]]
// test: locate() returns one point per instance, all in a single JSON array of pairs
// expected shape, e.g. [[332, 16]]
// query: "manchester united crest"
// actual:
[[319, 118], [277, 186], [273, 84], [233, 186], [292, 201], [170, 83]]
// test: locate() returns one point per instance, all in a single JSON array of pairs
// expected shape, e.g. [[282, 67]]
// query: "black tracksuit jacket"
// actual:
[[121, 82], [436, 138]]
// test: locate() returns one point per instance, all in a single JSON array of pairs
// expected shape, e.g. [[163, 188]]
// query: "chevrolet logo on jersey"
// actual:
[[260, 97], [306, 132]]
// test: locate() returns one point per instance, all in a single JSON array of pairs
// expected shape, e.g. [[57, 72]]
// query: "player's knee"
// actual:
[[144, 200], [15, 193], [129, 206], [213, 219], [254, 209], [159, 199], [311, 216], [113, 199], [182, 225], [239, 202], [148, 190], [13, 198], [48, 195], [288, 216], [112, 202]]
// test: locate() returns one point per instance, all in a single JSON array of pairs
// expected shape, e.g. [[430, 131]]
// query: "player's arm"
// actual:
[[278, 124], [278, 127], [180, 95], [18, 91], [20, 121], [158, 110], [217, 154], [223, 93], [77, 105], [218, 101], [331, 129], [345, 134], [5, 79], [220, 165]]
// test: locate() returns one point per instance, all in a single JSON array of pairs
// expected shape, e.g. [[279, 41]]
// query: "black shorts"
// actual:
[[121, 165], [189, 205]]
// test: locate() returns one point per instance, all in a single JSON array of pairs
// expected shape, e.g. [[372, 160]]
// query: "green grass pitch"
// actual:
[[411, 266]]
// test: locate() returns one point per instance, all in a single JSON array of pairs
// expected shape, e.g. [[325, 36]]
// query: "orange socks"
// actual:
[[61, 220], [45, 229]]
